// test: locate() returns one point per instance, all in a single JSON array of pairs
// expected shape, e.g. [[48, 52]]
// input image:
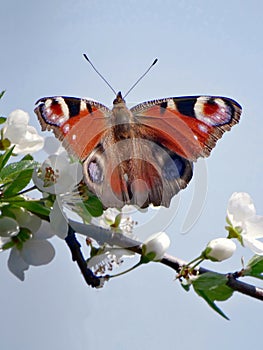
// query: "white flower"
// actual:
[[30, 247], [113, 218], [245, 224], [19, 133], [219, 249], [59, 176], [108, 258], [156, 246]]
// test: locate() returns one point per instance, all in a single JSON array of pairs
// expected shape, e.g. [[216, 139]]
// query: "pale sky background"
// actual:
[[204, 47]]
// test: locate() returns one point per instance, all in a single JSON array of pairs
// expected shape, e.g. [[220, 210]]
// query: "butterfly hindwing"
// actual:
[[135, 170]]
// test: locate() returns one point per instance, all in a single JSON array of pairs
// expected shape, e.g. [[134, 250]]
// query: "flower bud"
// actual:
[[219, 249], [156, 246]]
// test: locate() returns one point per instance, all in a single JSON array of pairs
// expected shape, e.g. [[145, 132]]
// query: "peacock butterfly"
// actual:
[[143, 155]]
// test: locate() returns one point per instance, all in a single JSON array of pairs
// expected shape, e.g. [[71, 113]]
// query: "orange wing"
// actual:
[[79, 123], [189, 126]]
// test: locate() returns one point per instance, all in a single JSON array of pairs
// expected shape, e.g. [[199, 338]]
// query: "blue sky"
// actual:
[[203, 47]]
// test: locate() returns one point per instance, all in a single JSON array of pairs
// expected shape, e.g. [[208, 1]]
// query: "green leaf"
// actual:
[[254, 267], [212, 286], [18, 183], [7, 211], [11, 171], [5, 157], [186, 287], [34, 206], [2, 120], [27, 157], [2, 93], [37, 208], [211, 303], [94, 206]]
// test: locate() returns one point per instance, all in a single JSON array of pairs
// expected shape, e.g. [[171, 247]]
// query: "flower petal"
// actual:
[[18, 116], [23, 136], [253, 244], [51, 145], [37, 252], [9, 227], [27, 219], [157, 243], [219, 249], [107, 259], [15, 133], [254, 226], [30, 142], [16, 264], [240, 208], [45, 231], [58, 221]]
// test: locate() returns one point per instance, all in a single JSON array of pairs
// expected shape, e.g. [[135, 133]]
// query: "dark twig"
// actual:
[[77, 256], [106, 236], [245, 288]]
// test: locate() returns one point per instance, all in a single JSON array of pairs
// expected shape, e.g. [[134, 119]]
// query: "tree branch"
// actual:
[[77, 256], [106, 236]]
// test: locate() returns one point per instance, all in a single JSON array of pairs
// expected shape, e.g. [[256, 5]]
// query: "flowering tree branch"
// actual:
[[27, 224], [232, 281], [176, 264]]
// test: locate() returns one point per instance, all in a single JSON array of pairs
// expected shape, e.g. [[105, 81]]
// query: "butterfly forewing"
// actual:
[[190, 126], [79, 123]]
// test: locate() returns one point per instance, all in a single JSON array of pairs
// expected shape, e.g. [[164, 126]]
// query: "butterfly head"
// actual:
[[118, 99]]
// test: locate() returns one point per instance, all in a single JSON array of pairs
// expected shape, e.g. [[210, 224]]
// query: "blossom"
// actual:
[[156, 246], [108, 258], [244, 223], [113, 218], [219, 249], [19, 133], [27, 236], [57, 175]]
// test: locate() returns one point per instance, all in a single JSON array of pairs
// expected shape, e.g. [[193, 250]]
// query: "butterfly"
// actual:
[[143, 155]]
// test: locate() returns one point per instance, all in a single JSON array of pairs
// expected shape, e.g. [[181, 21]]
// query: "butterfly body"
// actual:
[[140, 156]]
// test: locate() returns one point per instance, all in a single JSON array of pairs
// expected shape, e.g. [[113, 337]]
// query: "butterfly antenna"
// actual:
[[143, 75], [102, 77]]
